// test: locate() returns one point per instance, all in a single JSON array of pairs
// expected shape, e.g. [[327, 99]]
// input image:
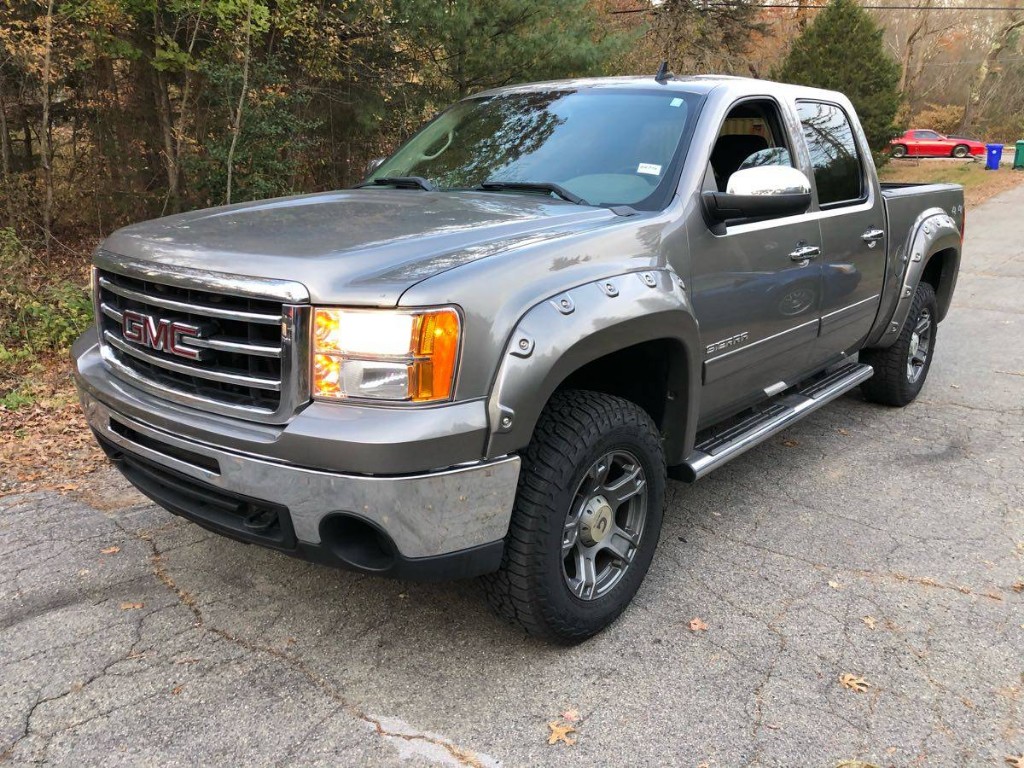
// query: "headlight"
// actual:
[[385, 354]]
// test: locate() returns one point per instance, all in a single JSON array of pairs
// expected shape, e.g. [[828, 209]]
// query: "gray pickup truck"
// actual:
[[487, 358]]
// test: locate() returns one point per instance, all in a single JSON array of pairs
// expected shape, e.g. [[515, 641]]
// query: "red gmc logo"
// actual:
[[160, 333]]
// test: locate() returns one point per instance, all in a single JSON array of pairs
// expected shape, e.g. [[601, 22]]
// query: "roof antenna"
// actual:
[[663, 73]]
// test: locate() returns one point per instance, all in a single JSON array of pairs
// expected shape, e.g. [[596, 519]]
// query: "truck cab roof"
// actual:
[[699, 84]]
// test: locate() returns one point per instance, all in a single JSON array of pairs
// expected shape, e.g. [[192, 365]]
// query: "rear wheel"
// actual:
[[900, 370], [586, 520], [961, 150], [898, 150]]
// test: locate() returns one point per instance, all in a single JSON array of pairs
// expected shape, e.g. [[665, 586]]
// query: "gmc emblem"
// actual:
[[161, 334]]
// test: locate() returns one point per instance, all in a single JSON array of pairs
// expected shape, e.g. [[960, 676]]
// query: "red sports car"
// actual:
[[923, 143]]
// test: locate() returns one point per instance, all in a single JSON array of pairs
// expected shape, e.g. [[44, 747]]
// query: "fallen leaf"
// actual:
[[1017, 761], [870, 621], [110, 551], [65, 487], [855, 764], [854, 683], [1018, 586], [132, 606], [842, 431], [835, 585], [560, 732], [177, 689], [697, 625], [955, 386], [790, 443], [571, 715]]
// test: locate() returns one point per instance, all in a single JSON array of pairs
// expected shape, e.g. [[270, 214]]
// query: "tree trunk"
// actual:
[[180, 126], [236, 129], [5, 156], [907, 61], [987, 72], [164, 121], [44, 129]]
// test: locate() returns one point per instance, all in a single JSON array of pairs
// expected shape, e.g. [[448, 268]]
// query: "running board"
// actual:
[[782, 412]]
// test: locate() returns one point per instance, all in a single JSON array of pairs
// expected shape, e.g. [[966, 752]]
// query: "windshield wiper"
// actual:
[[402, 182], [534, 186]]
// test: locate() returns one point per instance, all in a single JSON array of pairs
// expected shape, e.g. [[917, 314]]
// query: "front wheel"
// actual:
[[961, 151], [586, 519], [898, 150], [901, 369]]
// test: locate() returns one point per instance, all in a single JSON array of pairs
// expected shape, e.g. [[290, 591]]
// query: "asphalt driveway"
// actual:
[[875, 543]]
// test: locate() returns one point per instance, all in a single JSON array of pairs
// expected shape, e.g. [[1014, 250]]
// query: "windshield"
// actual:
[[608, 147]]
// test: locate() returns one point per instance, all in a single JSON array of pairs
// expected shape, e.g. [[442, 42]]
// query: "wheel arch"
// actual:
[[940, 271], [632, 335], [932, 251]]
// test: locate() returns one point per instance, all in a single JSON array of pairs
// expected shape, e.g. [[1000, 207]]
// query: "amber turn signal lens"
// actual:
[[437, 350]]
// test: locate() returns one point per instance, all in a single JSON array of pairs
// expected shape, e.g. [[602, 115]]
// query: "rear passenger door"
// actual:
[[852, 222]]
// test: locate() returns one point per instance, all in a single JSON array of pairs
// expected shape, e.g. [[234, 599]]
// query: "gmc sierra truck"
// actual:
[[486, 359]]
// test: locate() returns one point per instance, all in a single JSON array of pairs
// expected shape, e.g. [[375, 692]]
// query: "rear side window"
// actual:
[[838, 173]]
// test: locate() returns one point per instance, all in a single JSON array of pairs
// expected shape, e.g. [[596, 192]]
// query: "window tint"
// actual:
[[837, 167], [925, 135]]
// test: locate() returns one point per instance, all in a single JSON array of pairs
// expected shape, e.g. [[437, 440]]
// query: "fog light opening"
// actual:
[[357, 543]]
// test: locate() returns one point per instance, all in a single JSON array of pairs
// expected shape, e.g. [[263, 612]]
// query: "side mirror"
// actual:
[[374, 164], [761, 192]]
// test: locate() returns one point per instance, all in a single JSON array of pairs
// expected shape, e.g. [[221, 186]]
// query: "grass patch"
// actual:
[[978, 184]]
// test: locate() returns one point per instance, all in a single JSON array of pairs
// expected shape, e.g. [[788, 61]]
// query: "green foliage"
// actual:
[[842, 50], [469, 45], [270, 155], [36, 318], [16, 398]]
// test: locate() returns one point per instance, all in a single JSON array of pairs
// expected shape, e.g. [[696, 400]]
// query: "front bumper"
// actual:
[[438, 524]]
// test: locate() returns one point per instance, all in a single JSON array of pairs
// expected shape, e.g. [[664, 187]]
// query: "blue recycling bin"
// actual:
[[993, 154]]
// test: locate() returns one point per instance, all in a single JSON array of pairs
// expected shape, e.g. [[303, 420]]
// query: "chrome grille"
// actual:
[[254, 353]]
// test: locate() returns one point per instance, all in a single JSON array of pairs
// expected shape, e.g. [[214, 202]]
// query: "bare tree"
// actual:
[[988, 71], [5, 154], [236, 129], [44, 127]]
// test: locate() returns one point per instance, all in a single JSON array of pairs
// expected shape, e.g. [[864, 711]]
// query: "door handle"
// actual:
[[805, 252], [872, 236]]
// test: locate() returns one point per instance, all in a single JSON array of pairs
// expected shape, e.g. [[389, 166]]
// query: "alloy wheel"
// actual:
[[920, 346], [602, 531]]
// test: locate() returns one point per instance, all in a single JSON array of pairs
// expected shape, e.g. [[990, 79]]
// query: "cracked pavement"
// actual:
[[876, 542]]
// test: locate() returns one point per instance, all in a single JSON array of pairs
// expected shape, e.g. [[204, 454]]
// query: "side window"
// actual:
[[838, 173], [925, 135], [751, 135]]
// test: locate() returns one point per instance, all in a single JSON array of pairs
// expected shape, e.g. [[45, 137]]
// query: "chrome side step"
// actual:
[[780, 413]]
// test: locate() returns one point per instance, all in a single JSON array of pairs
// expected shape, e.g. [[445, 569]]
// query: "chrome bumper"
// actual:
[[426, 515]]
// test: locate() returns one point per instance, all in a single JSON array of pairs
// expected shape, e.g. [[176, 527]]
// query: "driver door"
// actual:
[[756, 295]]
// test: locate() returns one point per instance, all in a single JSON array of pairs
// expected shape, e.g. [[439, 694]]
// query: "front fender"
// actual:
[[933, 232], [560, 335]]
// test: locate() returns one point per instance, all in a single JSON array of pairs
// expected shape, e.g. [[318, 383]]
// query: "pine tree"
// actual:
[[842, 50]]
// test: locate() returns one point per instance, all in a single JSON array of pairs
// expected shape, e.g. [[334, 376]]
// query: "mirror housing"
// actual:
[[761, 192]]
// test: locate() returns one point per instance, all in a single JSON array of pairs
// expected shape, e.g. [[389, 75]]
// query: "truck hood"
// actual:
[[362, 246]]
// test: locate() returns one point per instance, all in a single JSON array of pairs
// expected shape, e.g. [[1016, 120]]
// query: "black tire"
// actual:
[[898, 150], [961, 151], [892, 383], [576, 429]]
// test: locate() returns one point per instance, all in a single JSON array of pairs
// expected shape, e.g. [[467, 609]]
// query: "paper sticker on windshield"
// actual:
[[675, 102], [649, 168]]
